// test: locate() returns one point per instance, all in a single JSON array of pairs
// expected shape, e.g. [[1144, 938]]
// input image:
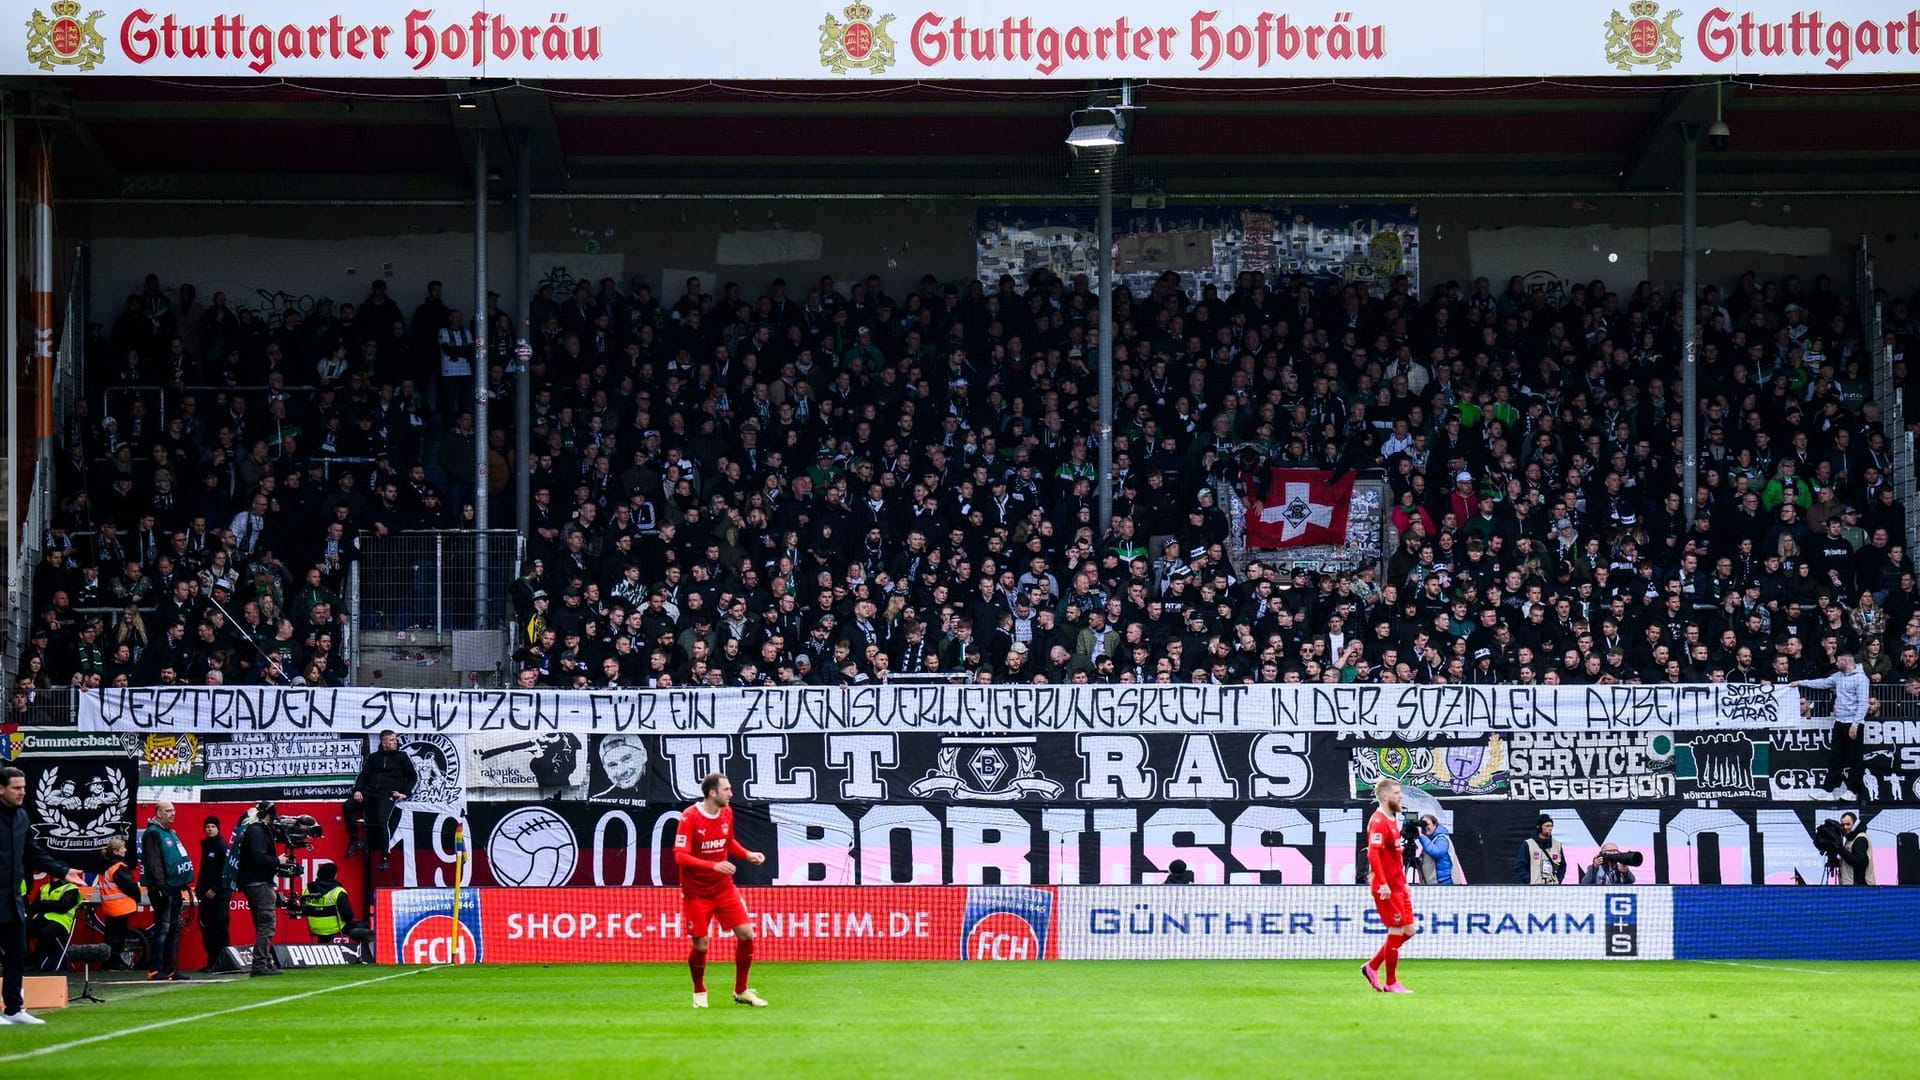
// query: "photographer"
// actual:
[[1436, 851], [386, 777], [325, 905], [1845, 757], [1853, 863], [257, 862], [1541, 860], [1611, 866]]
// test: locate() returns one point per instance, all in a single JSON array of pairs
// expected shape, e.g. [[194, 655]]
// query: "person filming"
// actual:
[[257, 863], [1855, 857], [386, 777]]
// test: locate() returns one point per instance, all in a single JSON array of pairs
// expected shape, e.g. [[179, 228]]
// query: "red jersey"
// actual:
[[699, 842], [1383, 853]]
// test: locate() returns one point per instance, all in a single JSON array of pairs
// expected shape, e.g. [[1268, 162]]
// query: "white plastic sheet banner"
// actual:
[[1405, 711]]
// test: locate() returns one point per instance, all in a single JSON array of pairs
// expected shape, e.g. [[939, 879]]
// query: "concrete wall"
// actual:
[[277, 256]]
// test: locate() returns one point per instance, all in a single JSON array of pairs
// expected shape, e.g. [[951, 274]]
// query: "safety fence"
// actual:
[[431, 608], [1888, 392], [1151, 923], [37, 514]]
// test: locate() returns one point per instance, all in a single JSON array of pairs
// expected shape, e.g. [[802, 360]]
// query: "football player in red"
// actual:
[[1387, 877], [704, 846]]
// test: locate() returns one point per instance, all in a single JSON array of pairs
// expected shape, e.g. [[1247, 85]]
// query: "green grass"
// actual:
[[1054, 1020]]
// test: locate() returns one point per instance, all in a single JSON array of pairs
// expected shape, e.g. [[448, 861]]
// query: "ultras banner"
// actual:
[[972, 39], [1383, 711]]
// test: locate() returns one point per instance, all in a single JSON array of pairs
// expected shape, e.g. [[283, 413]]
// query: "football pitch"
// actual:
[[1095, 1019]]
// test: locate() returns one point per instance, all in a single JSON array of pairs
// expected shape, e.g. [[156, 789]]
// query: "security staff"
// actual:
[[20, 855], [387, 776], [169, 873], [50, 922], [1541, 860], [116, 893], [216, 898], [325, 905]]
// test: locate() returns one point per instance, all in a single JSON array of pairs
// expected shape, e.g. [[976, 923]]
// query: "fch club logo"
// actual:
[[423, 926], [1006, 923]]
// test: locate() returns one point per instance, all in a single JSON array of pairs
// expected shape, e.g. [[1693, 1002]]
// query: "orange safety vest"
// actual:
[[113, 903]]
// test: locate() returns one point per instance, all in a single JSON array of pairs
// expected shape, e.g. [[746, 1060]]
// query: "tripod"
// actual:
[[86, 986], [86, 956]]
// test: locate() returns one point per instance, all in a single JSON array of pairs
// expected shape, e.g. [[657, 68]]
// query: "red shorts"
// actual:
[[1396, 910], [701, 911]]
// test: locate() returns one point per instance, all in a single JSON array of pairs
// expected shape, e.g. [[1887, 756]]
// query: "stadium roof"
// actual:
[[353, 140]]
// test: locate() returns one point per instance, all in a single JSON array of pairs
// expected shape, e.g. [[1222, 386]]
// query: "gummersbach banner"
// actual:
[[1403, 710]]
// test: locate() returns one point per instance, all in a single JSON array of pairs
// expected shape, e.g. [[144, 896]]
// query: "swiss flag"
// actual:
[[1301, 507]]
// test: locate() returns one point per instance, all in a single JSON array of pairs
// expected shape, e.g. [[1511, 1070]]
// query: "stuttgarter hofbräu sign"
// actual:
[[1404, 710], [979, 39]]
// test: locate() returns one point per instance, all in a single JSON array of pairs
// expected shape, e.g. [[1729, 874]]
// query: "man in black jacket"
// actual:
[[20, 855], [258, 861], [215, 896], [386, 777]]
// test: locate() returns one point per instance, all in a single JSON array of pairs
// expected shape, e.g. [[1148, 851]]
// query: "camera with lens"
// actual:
[[1410, 838], [1828, 840], [295, 831], [1617, 859]]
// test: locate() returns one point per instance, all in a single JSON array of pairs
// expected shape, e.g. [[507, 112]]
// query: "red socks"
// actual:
[[1380, 958], [1394, 942], [742, 960]]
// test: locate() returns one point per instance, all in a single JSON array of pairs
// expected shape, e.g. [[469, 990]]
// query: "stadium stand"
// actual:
[[832, 484]]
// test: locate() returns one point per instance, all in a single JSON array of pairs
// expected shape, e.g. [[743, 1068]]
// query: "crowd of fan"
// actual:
[[835, 485]]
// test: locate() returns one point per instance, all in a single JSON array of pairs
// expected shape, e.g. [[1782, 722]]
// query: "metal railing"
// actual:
[[68, 362], [418, 614], [1890, 395]]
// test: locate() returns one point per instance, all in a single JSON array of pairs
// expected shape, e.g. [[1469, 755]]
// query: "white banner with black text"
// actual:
[[1360, 709]]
